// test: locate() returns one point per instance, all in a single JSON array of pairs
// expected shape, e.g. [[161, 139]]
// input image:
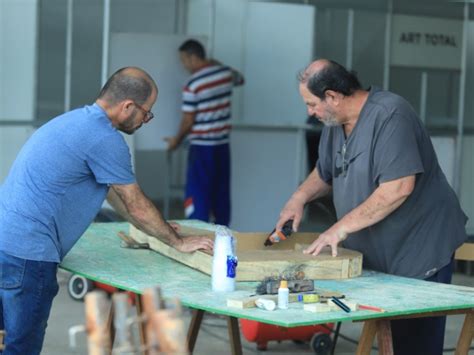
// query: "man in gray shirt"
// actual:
[[393, 202]]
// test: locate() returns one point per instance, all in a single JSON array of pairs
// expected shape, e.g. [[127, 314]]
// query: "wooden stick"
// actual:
[[152, 302], [123, 336], [97, 308], [169, 330]]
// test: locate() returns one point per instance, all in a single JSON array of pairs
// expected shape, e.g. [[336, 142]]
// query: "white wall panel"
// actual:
[[158, 55], [18, 53], [11, 141], [278, 45]]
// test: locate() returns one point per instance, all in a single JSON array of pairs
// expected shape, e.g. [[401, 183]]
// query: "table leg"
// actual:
[[466, 336], [141, 325], [110, 325], [194, 327], [367, 337], [2, 332], [384, 337], [234, 335]]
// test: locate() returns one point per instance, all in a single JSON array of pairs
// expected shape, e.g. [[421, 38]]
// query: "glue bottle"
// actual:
[[224, 261], [283, 295]]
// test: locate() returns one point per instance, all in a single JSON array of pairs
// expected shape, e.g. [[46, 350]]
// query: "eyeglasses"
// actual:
[[148, 114]]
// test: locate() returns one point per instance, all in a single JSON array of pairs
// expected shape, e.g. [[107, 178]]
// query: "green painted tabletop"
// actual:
[[99, 256]]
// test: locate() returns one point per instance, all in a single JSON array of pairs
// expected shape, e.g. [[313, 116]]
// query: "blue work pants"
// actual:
[[422, 335], [27, 289], [208, 183]]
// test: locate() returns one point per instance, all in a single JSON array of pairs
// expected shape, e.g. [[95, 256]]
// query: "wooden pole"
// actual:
[[169, 330], [151, 302], [97, 307], [123, 336]]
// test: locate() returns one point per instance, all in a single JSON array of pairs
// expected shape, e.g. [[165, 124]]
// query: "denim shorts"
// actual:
[[27, 289]]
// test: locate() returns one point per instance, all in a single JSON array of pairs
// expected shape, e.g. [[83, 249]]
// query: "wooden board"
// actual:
[[257, 262], [465, 252]]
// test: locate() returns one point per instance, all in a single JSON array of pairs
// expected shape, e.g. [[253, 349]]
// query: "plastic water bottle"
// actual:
[[283, 295], [224, 261]]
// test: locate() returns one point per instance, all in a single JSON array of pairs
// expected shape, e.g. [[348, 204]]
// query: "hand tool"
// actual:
[[276, 236], [128, 242], [341, 304]]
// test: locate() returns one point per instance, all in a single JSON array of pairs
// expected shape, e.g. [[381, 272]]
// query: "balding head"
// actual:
[[323, 75], [129, 83]]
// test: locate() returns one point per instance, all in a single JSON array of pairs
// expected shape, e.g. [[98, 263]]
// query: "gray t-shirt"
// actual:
[[389, 142]]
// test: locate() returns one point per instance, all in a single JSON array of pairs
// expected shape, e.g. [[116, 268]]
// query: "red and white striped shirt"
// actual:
[[208, 94]]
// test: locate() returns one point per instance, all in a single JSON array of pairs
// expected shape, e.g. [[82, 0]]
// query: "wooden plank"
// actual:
[[257, 262], [465, 252]]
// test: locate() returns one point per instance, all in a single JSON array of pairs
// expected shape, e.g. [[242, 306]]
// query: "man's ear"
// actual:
[[332, 97], [127, 106]]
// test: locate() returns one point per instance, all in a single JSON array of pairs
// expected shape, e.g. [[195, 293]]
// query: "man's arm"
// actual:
[[185, 127], [312, 188], [237, 77], [131, 203], [383, 201]]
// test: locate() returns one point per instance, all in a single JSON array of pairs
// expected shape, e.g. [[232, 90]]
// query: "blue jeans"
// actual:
[[27, 289], [422, 335]]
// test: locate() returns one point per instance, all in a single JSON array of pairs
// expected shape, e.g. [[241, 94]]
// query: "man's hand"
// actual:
[[173, 143], [292, 210], [331, 237], [190, 244]]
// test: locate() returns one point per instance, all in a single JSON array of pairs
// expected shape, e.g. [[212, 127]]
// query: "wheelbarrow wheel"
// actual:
[[321, 343], [78, 286]]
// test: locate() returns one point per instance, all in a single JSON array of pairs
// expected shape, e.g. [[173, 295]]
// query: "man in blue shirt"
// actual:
[[55, 188]]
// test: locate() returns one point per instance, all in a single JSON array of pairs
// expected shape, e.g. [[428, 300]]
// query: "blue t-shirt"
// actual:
[[58, 183]]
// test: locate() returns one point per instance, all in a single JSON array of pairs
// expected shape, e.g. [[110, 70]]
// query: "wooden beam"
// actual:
[[257, 262]]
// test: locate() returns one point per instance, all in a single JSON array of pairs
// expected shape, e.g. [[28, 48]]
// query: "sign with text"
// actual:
[[426, 42]]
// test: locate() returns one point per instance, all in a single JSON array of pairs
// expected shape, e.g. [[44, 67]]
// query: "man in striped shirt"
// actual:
[[206, 123]]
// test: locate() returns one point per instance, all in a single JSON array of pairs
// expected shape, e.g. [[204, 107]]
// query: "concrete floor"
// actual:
[[213, 337]]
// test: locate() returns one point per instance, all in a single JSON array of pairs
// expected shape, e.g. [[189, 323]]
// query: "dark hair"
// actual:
[[124, 84], [193, 47], [332, 76]]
